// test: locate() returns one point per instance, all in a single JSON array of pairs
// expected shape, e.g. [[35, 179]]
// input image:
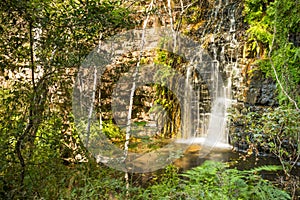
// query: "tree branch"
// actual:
[[31, 55]]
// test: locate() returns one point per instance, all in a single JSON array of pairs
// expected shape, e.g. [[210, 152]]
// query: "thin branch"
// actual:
[[170, 15], [88, 128], [135, 75], [183, 9], [31, 55], [128, 125], [19, 143], [18, 150], [99, 94], [186, 7]]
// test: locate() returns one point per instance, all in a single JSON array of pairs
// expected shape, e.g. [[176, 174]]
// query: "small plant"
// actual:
[[214, 180], [112, 131]]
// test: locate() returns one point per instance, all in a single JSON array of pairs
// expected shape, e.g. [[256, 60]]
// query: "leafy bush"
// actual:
[[213, 180], [271, 130]]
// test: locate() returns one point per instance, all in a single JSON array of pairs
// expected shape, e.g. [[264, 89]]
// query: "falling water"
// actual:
[[187, 125], [204, 100], [217, 133], [214, 131]]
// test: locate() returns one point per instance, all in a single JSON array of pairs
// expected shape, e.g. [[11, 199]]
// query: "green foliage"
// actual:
[[213, 180], [41, 44], [41, 154], [142, 123], [166, 73], [98, 184], [164, 188], [278, 19], [275, 131], [112, 131], [165, 77]]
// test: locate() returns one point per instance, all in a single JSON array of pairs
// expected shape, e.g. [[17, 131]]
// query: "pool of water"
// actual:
[[195, 155]]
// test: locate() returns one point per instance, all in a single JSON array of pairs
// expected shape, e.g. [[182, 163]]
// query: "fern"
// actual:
[[213, 180], [269, 168]]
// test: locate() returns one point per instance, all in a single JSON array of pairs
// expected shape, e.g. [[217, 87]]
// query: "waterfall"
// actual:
[[186, 129], [220, 30], [217, 133], [202, 89]]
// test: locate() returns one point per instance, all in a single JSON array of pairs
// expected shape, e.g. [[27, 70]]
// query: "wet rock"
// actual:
[[262, 91]]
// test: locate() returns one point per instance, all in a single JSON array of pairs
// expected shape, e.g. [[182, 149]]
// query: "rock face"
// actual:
[[223, 33], [220, 28], [117, 75], [261, 91]]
